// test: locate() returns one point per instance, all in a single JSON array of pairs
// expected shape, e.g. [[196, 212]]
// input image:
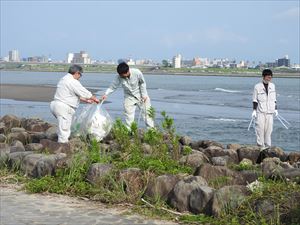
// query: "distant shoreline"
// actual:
[[34, 93], [161, 72], [147, 69]]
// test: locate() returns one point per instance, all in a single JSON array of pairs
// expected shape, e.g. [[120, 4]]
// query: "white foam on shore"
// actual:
[[226, 90]]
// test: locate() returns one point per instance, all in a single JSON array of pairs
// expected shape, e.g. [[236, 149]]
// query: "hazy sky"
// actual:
[[250, 30]]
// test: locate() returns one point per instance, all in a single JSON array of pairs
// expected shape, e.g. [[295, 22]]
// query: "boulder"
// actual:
[[220, 160], [249, 152], [219, 175], [294, 157], [194, 160], [54, 147], [39, 165], [36, 137], [226, 199], [271, 153], [160, 187], [199, 199], [98, 171], [10, 121], [15, 159], [185, 140], [3, 128], [24, 137], [34, 147], [51, 133], [17, 146], [133, 180], [234, 146], [207, 143], [35, 125], [3, 138], [180, 196]]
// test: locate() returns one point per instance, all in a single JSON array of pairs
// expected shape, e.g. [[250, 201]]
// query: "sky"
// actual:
[[157, 30]]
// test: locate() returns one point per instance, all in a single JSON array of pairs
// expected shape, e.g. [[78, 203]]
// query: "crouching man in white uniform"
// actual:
[[264, 107], [135, 93], [67, 97]]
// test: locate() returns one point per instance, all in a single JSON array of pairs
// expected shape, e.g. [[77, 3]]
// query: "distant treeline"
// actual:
[[150, 69]]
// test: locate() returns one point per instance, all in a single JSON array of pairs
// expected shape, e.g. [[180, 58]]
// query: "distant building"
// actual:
[[271, 64], [13, 56], [70, 57], [78, 58], [177, 61], [285, 61], [40, 59]]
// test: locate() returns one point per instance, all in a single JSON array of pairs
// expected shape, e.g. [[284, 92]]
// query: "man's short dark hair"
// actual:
[[122, 68], [74, 69], [267, 72]]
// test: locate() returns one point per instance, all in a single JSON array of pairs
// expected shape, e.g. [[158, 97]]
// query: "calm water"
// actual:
[[217, 108]]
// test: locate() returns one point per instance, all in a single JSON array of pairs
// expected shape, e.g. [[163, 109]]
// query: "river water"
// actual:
[[203, 107]]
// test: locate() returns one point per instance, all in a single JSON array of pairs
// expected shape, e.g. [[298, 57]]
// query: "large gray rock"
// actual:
[[217, 151], [24, 137], [10, 121], [51, 133], [3, 128], [133, 180], [3, 138], [35, 147], [249, 152], [15, 159], [220, 160], [36, 137], [226, 199], [98, 171], [294, 157], [292, 174], [180, 196], [207, 143], [54, 147], [35, 125], [271, 166], [17, 146], [234, 146], [273, 152], [185, 140], [4, 155], [39, 165], [199, 199], [219, 176], [160, 187], [194, 160]]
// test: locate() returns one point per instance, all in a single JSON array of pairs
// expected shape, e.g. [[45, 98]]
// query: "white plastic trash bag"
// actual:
[[92, 120]]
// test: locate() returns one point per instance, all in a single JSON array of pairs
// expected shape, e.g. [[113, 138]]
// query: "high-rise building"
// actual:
[[80, 58], [285, 61], [177, 61], [14, 56]]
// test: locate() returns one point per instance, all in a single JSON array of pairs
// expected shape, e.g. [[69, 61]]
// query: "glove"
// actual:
[[276, 113], [254, 114]]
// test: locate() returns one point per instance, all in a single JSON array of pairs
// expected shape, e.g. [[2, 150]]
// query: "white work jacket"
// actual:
[[266, 102], [69, 91], [133, 86]]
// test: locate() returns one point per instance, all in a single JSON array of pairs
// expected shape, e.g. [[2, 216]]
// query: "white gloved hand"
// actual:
[[276, 113], [254, 115]]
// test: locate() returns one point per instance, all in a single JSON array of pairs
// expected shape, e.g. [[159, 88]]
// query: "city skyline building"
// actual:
[[177, 61], [14, 56]]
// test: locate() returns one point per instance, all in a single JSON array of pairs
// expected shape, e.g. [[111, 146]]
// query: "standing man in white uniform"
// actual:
[[67, 97], [264, 107], [135, 93]]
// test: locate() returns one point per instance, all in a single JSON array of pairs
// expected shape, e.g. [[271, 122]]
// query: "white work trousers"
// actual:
[[130, 105], [64, 114], [264, 128]]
